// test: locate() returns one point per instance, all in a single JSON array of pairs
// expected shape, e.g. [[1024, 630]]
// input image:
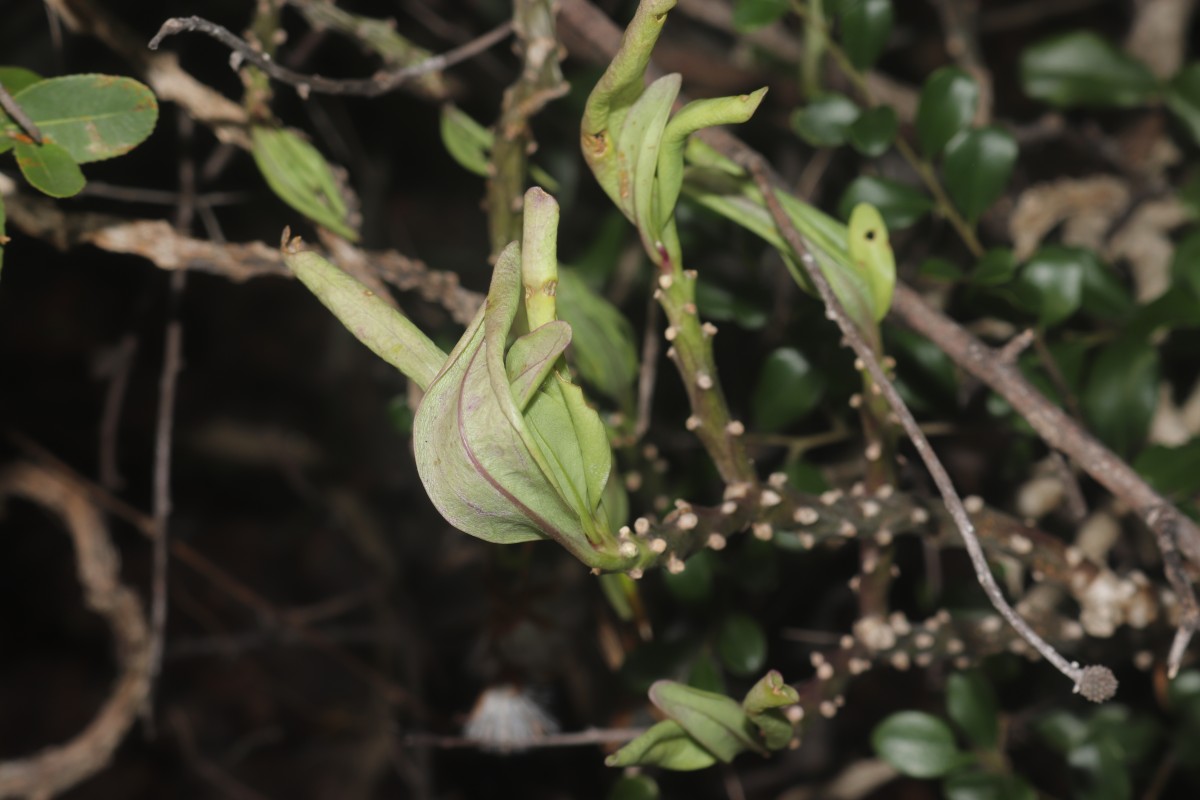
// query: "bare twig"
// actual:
[[18, 115], [1173, 531], [115, 366], [57, 768], [1096, 683], [379, 84], [584, 738]]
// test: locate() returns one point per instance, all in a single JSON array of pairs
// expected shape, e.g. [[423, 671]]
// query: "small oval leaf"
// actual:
[[874, 131], [976, 168], [826, 121], [788, 388], [750, 15], [917, 744], [92, 117], [947, 106], [971, 703], [899, 204], [299, 175], [1121, 392], [1183, 98], [49, 169], [742, 645], [1082, 69], [866, 25]]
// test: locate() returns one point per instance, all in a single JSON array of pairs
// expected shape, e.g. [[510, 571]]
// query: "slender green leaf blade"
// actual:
[[299, 175], [467, 142], [717, 722], [49, 169]]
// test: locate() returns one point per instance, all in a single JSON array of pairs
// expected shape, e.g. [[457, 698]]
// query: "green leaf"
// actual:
[[1183, 98], [1082, 69], [719, 304], [693, 585], [742, 645], [1173, 471], [986, 786], [750, 15], [1051, 282], [1104, 296], [14, 79], [940, 269], [1185, 263], [976, 168], [1121, 392], [1062, 730], [917, 744], [871, 256], [603, 346], [947, 106], [388, 333], [49, 169], [634, 787], [299, 175], [717, 722], [874, 131], [900, 204], [971, 703], [826, 121], [665, 745], [705, 674], [92, 117], [866, 25], [467, 142], [997, 267], [788, 388]]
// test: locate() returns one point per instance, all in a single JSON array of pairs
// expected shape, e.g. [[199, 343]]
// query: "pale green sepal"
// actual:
[[593, 441], [637, 153], [717, 722], [770, 692], [665, 745], [871, 253], [388, 333], [533, 357]]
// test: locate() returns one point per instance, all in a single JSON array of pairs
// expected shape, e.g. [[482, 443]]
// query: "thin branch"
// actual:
[[18, 115], [379, 84], [584, 738], [1094, 685], [1173, 531]]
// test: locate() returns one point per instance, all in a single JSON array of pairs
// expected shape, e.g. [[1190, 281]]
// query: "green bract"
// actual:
[[506, 445]]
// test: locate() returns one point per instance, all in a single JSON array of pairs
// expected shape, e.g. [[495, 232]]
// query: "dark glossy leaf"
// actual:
[[874, 131], [996, 268], [1185, 263], [926, 374], [665, 745], [826, 121], [986, 786], [1062, 730], [1121, 392], [742, 645], [940, 269], [971, 703], [1051, 282], [49, 169], [976, 168], [705, 674], [947, 106], [1173, 471], [900, 204], [1083, 69], [634, 787], [866, 25], [721, 305], [1183, 98], [917, 744], [788, 388], [1104, 296], [694, 584], [1137, 736], [750, 15], [299, 175], [92, 117], [1104, 773]]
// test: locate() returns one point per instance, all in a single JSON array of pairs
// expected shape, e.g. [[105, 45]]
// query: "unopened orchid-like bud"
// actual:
[[506, 445]]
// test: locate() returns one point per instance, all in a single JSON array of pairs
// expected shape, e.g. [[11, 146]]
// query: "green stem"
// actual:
[[539, 258], [814, 50]]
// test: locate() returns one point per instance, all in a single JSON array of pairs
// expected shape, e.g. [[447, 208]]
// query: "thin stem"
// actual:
[[382, 83], [18, 115], [938, 472]]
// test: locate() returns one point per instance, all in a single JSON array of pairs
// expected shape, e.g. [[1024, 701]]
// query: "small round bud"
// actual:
[[1097, 683]]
